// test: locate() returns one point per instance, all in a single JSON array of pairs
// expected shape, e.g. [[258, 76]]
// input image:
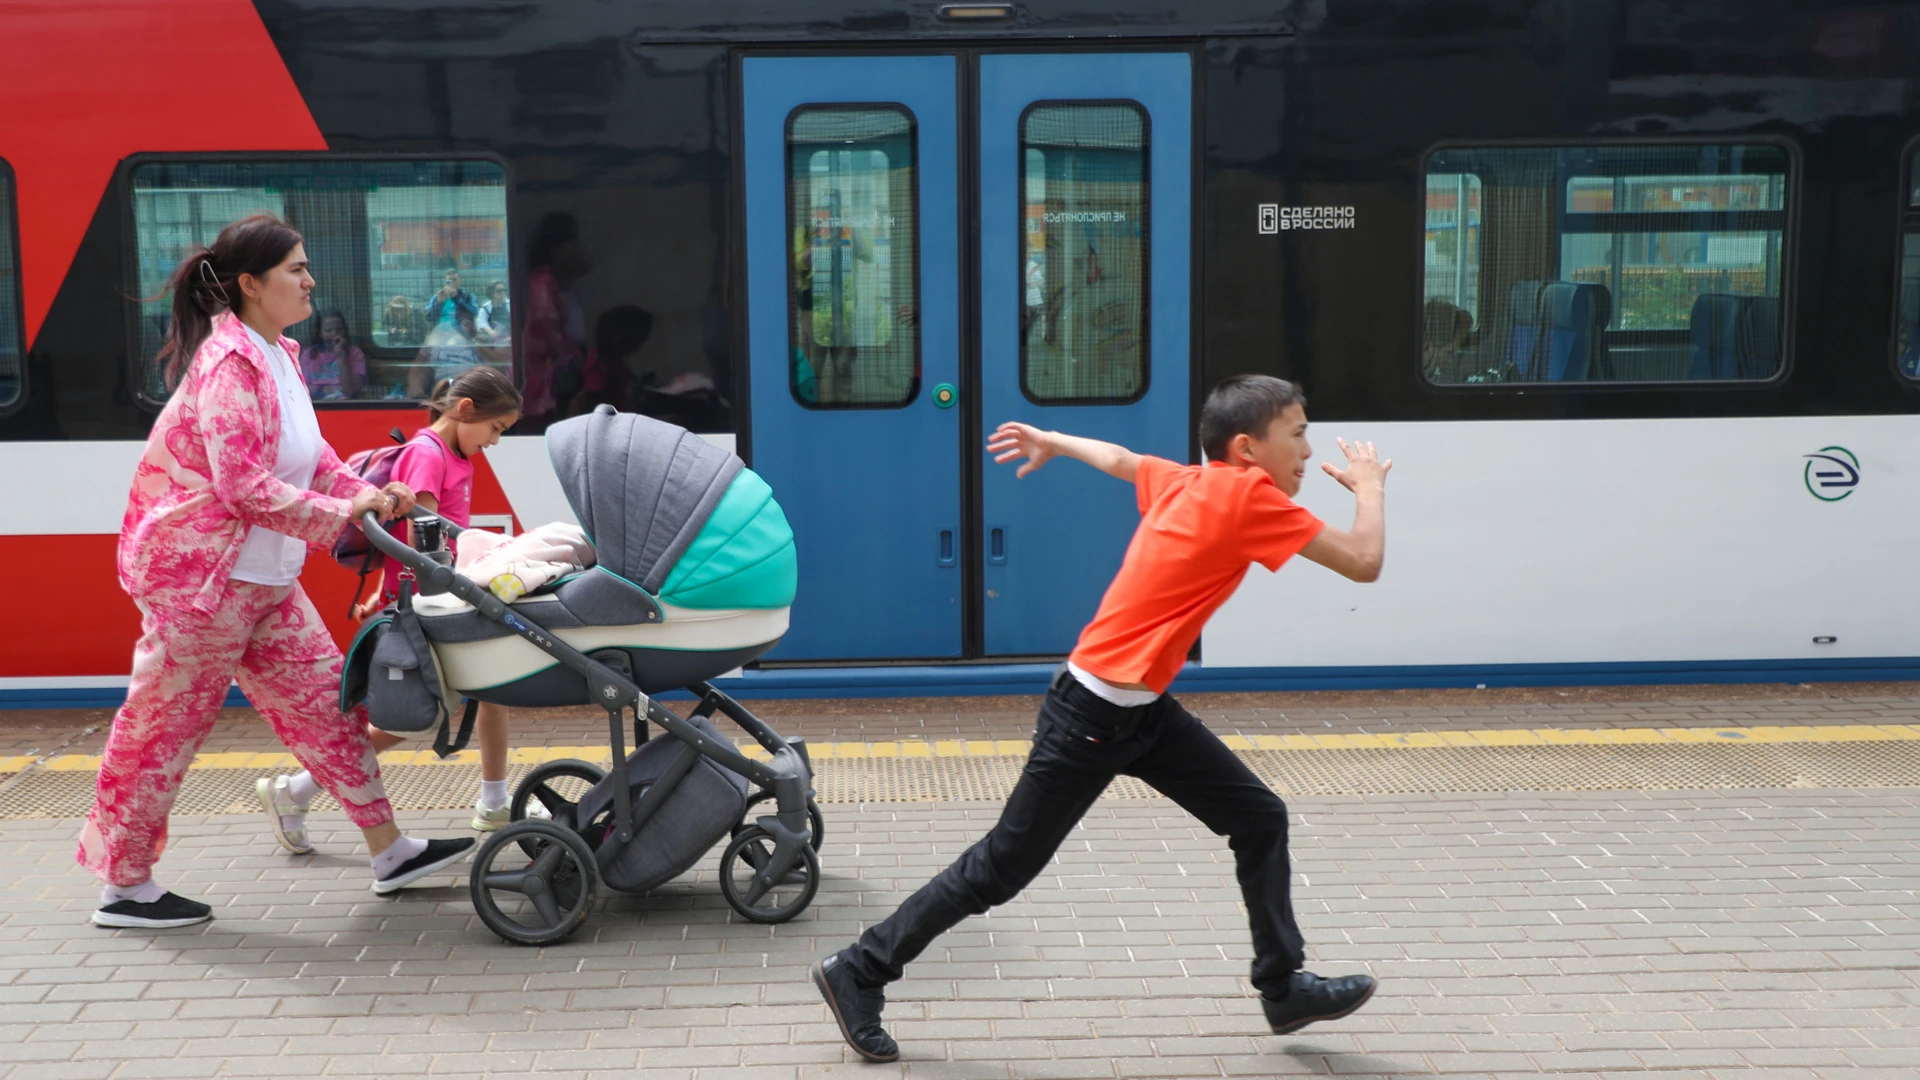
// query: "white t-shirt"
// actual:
[[1106, 691], [268, 557]]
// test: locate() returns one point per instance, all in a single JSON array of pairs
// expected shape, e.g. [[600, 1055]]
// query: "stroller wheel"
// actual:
[[755, 890], [814, 820], [533, 882], [552, 792]]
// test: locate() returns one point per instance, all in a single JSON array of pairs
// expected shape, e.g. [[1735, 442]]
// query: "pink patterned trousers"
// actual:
[[273, 641]]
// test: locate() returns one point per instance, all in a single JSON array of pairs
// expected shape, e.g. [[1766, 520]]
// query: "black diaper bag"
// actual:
[[391, 667]]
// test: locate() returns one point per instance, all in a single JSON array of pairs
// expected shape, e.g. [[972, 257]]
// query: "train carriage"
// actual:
[[1630, 290]]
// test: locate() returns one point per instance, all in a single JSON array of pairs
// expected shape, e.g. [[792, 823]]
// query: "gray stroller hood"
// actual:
[[642, 488]]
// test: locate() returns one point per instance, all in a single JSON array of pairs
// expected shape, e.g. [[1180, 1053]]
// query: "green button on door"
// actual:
[[943, 395]]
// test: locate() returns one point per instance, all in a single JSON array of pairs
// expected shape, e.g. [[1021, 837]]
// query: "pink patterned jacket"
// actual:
[[207, 476]]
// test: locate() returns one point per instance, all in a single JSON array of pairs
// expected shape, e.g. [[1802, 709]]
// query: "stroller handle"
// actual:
[[424, 568]]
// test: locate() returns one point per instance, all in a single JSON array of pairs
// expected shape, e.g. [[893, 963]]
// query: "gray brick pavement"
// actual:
[[1733, 934]]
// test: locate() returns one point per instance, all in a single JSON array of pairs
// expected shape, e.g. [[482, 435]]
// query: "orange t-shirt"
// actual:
[[1201, 527]]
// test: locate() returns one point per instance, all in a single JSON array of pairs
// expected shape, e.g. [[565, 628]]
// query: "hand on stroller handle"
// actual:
[[434, 576]]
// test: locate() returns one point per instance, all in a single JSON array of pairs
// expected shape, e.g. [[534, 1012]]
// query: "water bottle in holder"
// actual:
[[429, 539]]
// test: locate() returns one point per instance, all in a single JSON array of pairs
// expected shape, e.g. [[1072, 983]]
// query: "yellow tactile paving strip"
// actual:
[[939, 770], [997, 748]]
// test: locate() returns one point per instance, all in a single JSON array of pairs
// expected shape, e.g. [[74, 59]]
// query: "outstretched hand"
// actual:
[[1364, 467], [1011, 440]]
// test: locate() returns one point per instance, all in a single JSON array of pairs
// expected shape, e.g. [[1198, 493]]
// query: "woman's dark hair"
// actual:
[[555, 229], [492, 393], [207, 282], [1243, 405]]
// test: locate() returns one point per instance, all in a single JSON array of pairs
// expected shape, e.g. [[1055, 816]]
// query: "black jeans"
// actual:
[[1080, 744]]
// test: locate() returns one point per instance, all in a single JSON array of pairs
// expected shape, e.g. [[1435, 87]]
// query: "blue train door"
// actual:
[[853, 265], [863, 397], [1086, 173]]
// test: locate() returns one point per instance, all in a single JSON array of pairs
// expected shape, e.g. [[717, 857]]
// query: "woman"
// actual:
[[555, 331], [496, 316], [234, 484]]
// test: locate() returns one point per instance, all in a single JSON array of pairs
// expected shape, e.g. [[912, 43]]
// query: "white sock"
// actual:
[[402, 850], [301, 789], [144, 893], [493, 794]]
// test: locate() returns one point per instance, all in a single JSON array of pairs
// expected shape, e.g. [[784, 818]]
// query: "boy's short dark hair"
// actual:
[[1243, 405]]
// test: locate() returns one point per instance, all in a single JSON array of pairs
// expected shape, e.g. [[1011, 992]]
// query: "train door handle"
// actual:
[[997, 547], [948, 556]]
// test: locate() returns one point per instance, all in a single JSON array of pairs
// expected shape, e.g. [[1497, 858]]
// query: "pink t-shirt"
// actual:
[[430, 467]]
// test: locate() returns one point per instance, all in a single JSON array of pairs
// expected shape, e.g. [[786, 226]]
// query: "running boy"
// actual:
[[1108, 713]]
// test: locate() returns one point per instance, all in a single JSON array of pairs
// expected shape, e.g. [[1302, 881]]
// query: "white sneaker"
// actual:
[[487, 819], [280, 807]]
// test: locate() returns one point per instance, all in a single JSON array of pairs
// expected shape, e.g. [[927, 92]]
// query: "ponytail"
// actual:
[[492, 394], [199, 293], [207, 282]]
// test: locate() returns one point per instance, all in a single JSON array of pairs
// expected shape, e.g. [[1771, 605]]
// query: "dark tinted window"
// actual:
[[1906, 349], [405, 256], [1604, 264], [854, 270], [13, 369], [1083, 252]]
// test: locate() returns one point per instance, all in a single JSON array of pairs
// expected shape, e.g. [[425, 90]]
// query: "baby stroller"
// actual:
[[695, 576]]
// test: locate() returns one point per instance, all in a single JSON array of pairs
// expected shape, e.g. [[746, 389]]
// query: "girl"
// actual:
[[233, 486], [470, 412], [335, 367]]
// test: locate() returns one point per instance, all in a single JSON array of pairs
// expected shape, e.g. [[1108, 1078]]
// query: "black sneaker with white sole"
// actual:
[[168, 911], [1311, 998], [439, 855]]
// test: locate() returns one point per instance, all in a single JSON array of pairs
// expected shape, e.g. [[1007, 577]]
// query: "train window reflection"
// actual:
[[854, 270], [1083, 253], [13, 368], [1453, 239], [1658, 263], [1907, 323], [409, 262]]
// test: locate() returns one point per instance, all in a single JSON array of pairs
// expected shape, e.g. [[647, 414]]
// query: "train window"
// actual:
[[854, 274], [1604, 263], [1907, 324], [13, 368], [409, 262], [1083, 255]]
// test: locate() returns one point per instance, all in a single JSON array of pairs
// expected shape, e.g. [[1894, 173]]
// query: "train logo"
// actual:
[[1832, 474]]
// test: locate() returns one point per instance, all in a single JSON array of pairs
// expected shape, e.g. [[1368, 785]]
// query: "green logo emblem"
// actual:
[[1832, 474]]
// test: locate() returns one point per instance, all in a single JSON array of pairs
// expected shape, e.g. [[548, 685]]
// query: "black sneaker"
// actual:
[[855, 1008], [439, 855], [1313, 998], [168, 911]]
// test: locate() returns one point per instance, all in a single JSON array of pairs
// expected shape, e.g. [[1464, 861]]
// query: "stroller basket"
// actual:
[[694, 578]]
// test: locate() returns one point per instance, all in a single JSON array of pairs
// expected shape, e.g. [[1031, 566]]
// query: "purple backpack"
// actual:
[[352, 549]]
